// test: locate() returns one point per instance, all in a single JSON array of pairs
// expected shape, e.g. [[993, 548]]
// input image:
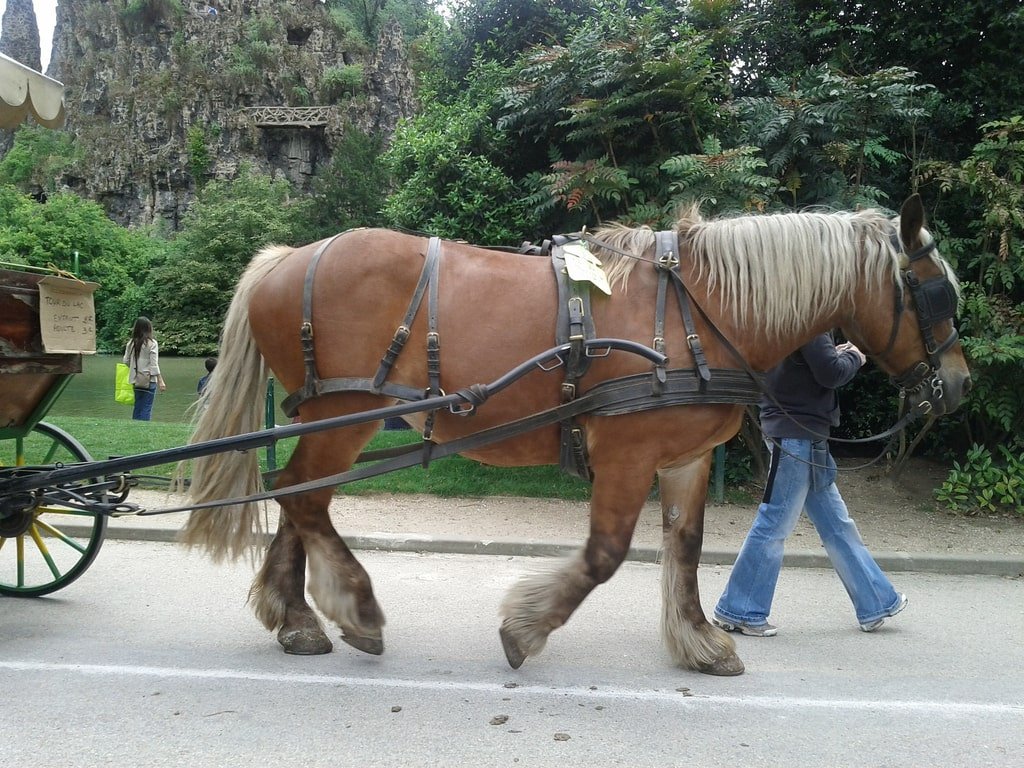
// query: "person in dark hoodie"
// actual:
[[796, 420]]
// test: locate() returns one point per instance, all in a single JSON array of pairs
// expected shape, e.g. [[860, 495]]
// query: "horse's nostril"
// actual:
[[968, 385]]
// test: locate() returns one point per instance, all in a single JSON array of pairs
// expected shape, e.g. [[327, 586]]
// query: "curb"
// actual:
[[1011, 566]]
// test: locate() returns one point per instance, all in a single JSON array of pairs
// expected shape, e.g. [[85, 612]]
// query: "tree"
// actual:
[[350, 190], [501, 30], [37, 159], [49, 234], [447, 168], [369, 16], [991, 259], [622, 96], [967, 49], [826, 135], [188, 293]]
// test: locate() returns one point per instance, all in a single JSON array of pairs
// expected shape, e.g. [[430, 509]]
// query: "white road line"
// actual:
[[656, 696]]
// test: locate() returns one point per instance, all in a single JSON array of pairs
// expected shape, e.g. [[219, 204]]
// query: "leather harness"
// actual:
[[574, 326]]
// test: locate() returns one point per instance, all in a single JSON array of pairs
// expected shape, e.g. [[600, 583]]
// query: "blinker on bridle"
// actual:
[[935, 301]]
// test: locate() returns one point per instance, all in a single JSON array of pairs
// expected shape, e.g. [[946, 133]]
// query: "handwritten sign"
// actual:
[[582, 266], [67, 315]]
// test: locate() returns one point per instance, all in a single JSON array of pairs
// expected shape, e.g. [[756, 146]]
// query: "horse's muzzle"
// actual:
[[937, 394]]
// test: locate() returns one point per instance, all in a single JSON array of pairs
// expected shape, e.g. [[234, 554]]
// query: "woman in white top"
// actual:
[[142, 356]]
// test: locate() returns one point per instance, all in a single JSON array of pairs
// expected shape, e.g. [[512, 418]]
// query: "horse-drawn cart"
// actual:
[[44, 546], [49, 547]]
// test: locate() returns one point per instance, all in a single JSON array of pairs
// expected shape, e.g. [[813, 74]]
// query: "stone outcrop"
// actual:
[[161, 95], [19, 33], [390, 83]]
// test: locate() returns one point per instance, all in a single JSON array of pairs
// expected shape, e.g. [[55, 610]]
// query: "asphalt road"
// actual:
[[152, 659]]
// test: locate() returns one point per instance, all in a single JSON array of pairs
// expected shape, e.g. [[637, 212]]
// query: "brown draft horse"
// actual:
[[768, 282]]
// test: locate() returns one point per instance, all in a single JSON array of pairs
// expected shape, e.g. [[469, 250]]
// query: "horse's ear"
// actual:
[[911, 219]]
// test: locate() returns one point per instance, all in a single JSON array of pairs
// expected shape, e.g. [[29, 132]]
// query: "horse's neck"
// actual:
[[758, 348]]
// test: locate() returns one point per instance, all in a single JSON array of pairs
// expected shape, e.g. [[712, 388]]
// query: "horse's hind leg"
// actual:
[[338, 582], [542, 602], [278, 595], [691, 640]]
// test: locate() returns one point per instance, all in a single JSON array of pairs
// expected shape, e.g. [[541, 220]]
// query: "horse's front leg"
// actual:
[[542, 602], [691, 640]]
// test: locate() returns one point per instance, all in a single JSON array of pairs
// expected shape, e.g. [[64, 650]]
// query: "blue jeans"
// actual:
[[143, 410], [802, 477]]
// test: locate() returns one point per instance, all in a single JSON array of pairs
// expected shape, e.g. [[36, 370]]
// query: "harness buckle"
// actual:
[[462, 409], [667, 261]]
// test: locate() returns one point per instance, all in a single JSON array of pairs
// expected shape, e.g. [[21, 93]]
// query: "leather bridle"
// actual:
[[935, 301]]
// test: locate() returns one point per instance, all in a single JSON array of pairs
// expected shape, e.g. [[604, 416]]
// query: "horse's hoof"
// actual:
[[513, 652], [727, 666], [371, 645], [304, 642]]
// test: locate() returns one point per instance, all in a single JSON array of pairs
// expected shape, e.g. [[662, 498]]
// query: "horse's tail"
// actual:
[[232, 404]]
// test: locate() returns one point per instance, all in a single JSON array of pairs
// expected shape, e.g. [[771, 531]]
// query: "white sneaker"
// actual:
[[871, 626], [750, 630]]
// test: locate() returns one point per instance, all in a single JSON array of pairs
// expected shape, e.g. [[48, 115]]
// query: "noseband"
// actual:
[[935, 301]]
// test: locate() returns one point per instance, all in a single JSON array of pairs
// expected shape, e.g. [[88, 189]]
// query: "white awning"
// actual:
[[23, 92]]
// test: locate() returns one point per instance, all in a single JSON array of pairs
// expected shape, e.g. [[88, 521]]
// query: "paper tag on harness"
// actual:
[[583, 266]]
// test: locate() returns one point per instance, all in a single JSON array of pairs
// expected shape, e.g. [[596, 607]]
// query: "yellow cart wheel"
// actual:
[[45, 548]]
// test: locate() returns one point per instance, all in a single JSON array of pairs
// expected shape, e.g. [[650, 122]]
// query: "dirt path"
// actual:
[[892, 517]]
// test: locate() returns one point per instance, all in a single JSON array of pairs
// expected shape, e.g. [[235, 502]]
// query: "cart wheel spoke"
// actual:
[[55, 545]]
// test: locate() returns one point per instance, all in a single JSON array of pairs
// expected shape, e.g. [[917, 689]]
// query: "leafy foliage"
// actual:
[[38, 159], [188, 292], [199, 160], [350, 191], [983, 484], [339, 82], [501, 30], [446, 167], [142, 12], [367, 17], [624, 94], [45, 234], [992, 258], [826, 136], [720, 180]]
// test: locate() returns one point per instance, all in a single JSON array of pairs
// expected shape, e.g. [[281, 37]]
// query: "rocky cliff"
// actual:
[[20, 38], [164, 94]]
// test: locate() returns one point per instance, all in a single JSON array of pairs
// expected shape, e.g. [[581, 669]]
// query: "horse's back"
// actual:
[[494, 309]]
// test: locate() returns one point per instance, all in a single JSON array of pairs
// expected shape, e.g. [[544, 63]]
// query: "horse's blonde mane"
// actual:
[[779, 270]]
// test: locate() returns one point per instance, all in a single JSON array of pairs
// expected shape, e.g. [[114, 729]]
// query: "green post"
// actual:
[[272, 448], [719, 474]]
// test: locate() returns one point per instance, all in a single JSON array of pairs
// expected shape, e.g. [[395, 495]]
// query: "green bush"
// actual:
[[199, 161], [981, 485], [38, 159], [339, 82], [151, 11]]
